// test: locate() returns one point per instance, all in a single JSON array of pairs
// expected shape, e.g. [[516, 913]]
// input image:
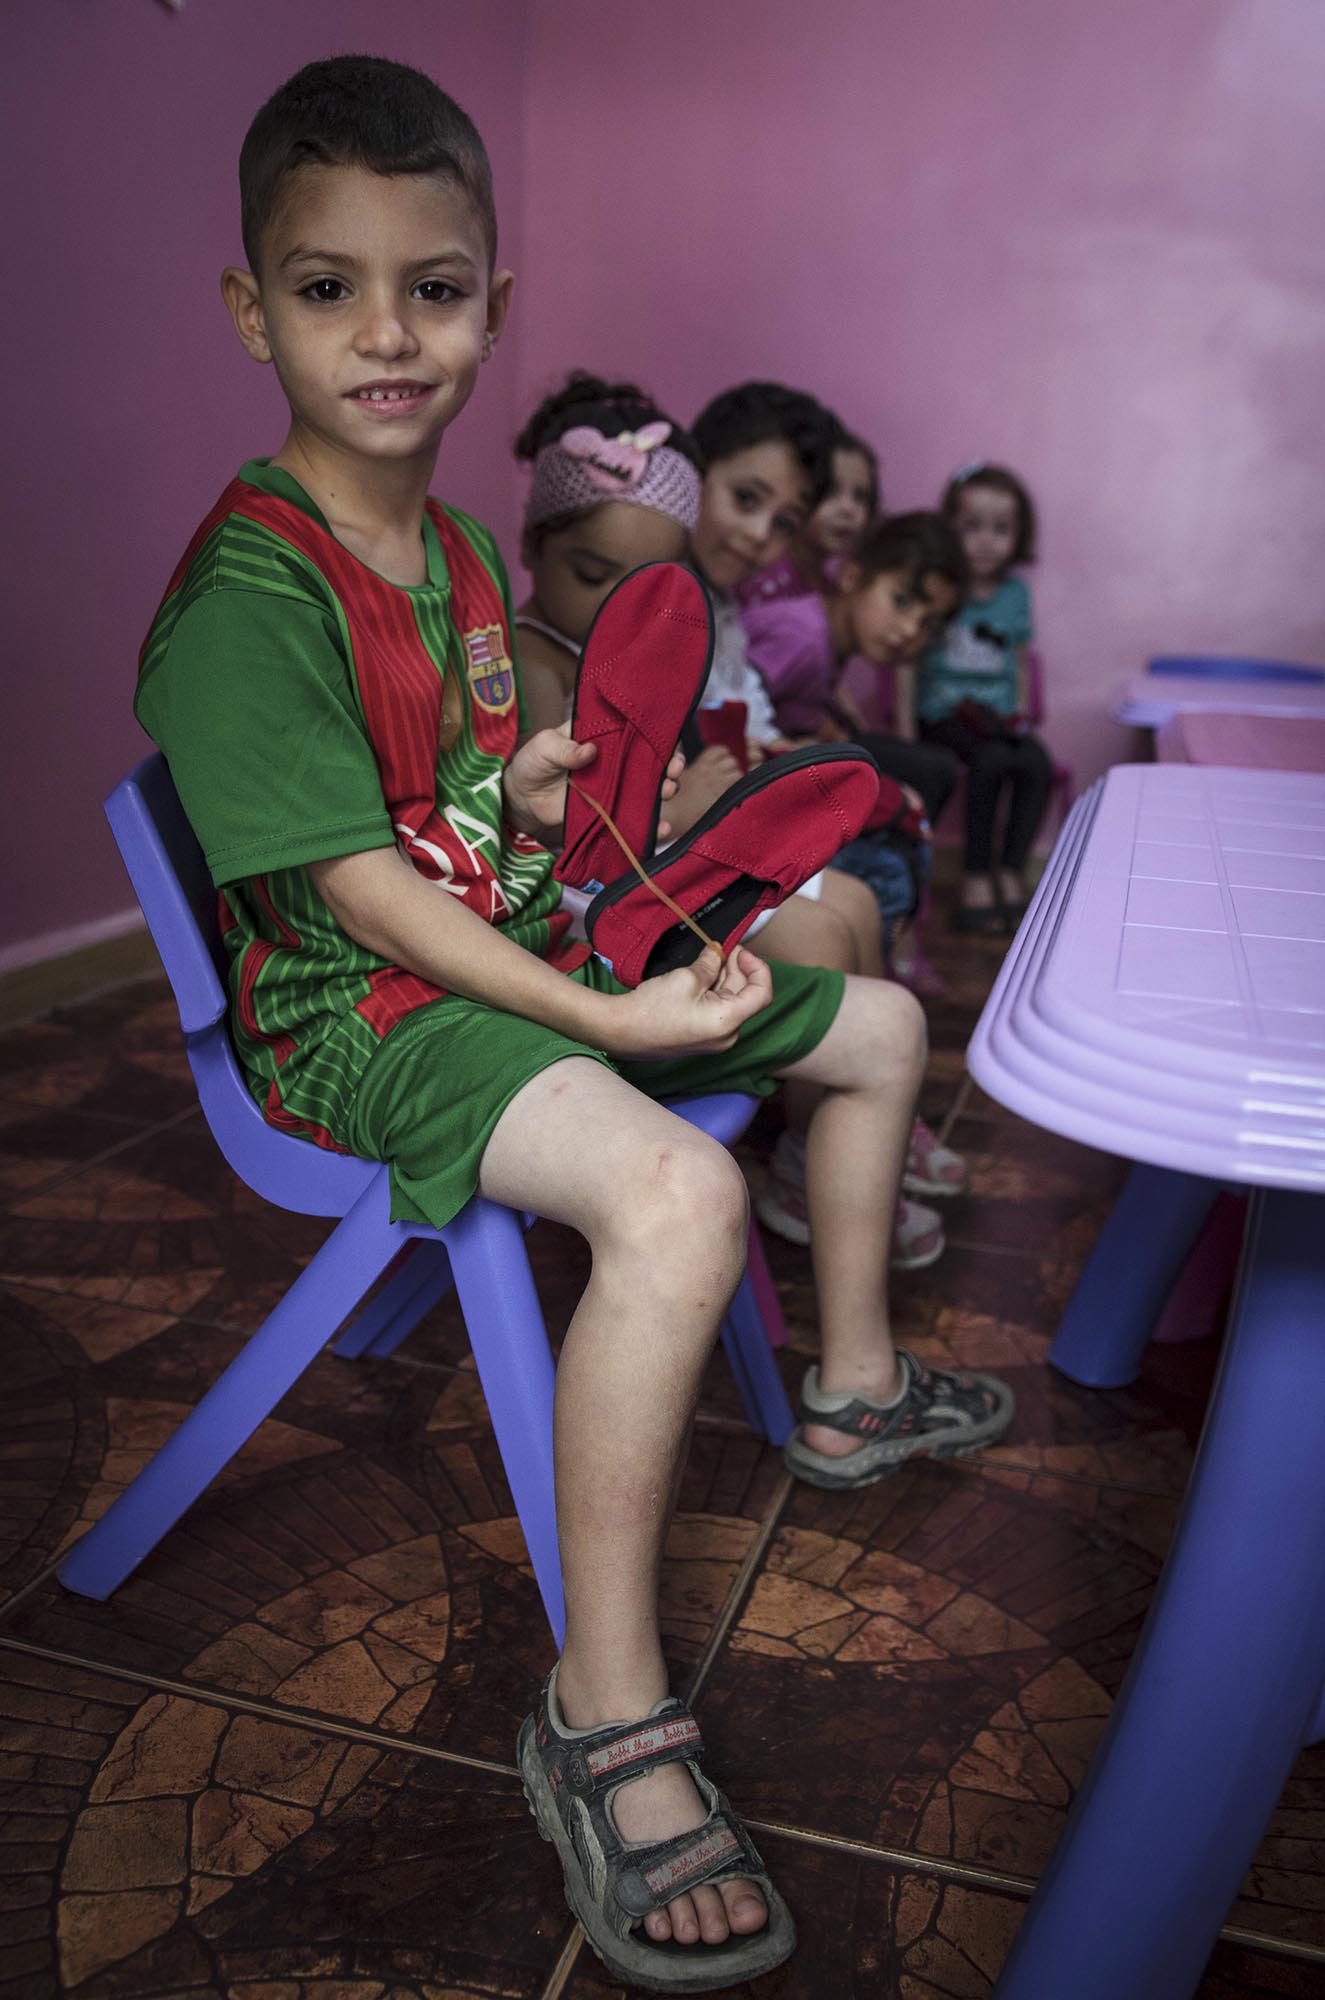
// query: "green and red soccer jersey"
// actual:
[[308, 708]]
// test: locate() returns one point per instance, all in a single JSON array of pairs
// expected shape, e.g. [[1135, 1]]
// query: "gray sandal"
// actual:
[[570, 1776], [938, 1415]]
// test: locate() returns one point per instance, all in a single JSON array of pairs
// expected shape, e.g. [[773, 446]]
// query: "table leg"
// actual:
[[1131, 1271], [1225, 1682]]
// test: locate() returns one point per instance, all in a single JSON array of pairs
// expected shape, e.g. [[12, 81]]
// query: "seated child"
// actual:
[[972, 695], [797, 644], [330, 678], [832, 532], [579, 540]]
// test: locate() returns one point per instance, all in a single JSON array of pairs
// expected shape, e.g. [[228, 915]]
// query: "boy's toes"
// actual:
[[711, 1911], [745, 1907], [658, 1925]]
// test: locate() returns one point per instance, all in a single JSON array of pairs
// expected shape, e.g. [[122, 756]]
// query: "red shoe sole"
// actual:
[[642, 672]]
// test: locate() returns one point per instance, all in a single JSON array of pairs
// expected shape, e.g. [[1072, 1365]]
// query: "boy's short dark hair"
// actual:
[[360, 111], [915, 546], [999, 479], [770, 413]]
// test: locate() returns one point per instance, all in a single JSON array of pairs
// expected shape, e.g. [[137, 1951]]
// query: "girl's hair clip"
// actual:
[[615, 465], [965, 472]]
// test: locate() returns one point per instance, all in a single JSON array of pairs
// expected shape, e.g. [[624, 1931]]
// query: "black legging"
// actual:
[[1021, 762], [924, 766]]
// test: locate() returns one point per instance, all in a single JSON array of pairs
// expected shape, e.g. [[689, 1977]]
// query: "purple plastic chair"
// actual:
[[481, 1252], [1064, 785]]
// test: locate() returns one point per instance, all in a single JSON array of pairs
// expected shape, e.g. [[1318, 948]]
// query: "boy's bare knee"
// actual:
[[687, 1198], [896, 1035]]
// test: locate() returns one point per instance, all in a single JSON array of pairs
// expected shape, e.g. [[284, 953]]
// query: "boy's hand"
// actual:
[[534, 782], [696, 1010]]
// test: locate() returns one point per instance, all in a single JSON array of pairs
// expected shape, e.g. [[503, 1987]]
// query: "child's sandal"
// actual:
[[613, 1884], [939, 1414]]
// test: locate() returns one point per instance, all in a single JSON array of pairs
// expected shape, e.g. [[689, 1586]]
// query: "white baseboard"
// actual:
[[57, 944]]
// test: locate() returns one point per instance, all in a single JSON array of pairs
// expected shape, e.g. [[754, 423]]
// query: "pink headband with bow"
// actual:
[[583, 468]]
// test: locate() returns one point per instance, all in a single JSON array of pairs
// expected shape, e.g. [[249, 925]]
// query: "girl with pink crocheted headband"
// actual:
[[615, 483]]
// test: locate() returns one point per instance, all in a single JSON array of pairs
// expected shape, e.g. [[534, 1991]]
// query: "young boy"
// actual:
[[330, 677]]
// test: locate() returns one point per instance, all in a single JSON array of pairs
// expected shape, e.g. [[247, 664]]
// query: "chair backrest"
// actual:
[[1226, 667], [171, 881]]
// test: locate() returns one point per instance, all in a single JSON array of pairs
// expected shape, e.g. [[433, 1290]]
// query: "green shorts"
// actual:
[[432, 1093]]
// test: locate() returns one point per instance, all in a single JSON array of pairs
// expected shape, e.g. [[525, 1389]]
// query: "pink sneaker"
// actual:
[[910, 968], [931, 1168], [780, 1204]]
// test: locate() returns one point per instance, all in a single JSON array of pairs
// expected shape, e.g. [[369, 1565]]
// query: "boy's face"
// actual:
[[574, 569], [750, 506], [842, 516], [896, 616], [986, 521], [373, 302]]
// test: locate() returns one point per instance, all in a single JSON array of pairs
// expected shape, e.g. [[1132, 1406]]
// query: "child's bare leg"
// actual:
[[853, 900], [664, 1211], [805, 932], [871, 1062]]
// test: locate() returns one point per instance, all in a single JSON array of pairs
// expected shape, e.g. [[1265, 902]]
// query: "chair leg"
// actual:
[[416, 1273], [747, 1347], [506, 1331], [767, 1303], [272, 1360], [1224, 1685], [436, 1283], [1139, 1253]]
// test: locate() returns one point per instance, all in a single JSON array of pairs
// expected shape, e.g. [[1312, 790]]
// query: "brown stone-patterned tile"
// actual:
[[174, 1845], [119, 1055], [998, 1313], [385, 1585], [1031, 1191], [39, 1144], [164, 1226], [929, 1664]]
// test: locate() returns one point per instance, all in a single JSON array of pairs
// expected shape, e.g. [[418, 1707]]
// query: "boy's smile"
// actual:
[[375, 304]]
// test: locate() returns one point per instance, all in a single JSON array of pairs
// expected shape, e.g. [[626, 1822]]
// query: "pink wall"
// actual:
[[130, 400], [1083, 239]]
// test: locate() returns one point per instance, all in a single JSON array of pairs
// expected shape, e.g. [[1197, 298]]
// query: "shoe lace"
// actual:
[[709, 944]]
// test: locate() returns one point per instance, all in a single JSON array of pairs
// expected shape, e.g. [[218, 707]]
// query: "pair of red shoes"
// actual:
[[640, 678]]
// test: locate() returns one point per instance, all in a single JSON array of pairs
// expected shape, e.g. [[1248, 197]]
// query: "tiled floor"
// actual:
[[278, 1765]]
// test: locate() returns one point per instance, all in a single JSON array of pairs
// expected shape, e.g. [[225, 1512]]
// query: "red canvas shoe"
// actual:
[[641, 673], [763, 838]]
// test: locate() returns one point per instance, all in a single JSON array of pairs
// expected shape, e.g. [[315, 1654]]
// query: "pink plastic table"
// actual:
[[1146, 701], [1165, 1000], [1260, 742]]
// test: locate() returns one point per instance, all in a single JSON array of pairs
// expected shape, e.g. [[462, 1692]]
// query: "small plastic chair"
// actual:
[[1064, 783], [1226, 667], [481, 1252]]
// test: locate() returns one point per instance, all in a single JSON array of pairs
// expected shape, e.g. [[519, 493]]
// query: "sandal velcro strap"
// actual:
[[591, 1765], [651, 1877]]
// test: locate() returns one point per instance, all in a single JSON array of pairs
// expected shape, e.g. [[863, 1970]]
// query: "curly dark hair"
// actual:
[[765, 413], [360, 111], [998, 479], [915, 546], [609, 406]]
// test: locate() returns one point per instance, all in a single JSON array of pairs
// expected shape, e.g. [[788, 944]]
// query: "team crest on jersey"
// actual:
[[491, 674]]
